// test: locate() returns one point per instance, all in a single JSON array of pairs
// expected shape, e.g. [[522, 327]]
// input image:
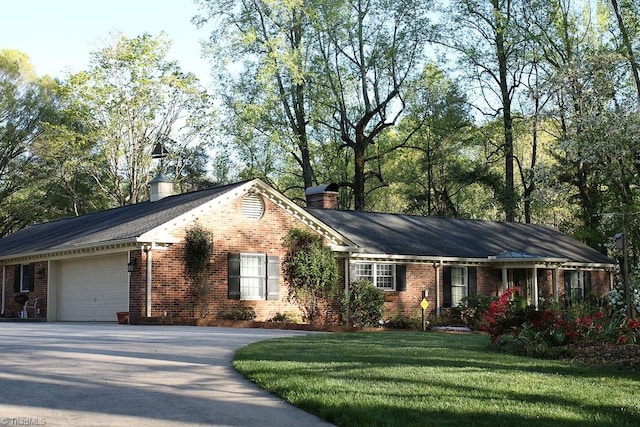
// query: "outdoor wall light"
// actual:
[[40, 274], [131, 265]]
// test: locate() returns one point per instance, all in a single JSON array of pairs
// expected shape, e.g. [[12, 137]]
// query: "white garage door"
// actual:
[[93, 288]]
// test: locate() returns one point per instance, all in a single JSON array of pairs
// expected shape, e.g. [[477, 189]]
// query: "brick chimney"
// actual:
[[322, 196]]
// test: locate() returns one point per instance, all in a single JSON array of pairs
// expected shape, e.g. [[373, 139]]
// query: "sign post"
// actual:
[[424, 304]]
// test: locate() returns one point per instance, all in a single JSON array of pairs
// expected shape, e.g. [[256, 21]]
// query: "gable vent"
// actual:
[[252, 206]]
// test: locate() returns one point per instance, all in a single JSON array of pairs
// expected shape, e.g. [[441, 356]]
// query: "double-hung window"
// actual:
[[381, 275], [23, 278], [573, 283], [253, 276], [459, 285]]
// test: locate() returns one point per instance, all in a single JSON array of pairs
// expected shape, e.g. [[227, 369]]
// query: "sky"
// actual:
[[58, 35]]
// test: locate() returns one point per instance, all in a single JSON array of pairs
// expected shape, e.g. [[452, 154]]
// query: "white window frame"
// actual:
[[24, 287], [377, 271], [463, 288], [576, 277], [260, 277]]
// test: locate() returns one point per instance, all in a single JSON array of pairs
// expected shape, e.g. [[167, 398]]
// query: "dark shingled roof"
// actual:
[[379, 233], [127, 222]]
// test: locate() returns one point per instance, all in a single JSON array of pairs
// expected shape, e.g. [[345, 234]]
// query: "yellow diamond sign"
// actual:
[[424, 304]]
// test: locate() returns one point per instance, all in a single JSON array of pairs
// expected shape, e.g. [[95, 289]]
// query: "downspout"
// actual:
[[437, 266], [535, 287], [346, 285], [4, 289], [148, 250]]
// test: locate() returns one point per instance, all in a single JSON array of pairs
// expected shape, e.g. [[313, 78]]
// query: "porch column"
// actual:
[[556, 276], [505, 279], [148, 304], [346, 284], [535, 286]]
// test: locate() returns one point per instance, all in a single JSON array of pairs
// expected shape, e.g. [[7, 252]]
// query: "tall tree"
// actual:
[[26, 102], [267, 100], [369, 52], [486, 37], [627, 18], [137, 98]]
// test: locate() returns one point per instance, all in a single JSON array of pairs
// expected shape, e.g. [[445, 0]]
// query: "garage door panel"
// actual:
[[93, 289]]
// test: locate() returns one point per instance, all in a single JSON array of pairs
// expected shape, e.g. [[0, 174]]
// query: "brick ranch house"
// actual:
[[131, 258]]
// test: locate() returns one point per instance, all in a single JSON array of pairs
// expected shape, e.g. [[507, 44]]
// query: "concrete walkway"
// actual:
[[64, 374]]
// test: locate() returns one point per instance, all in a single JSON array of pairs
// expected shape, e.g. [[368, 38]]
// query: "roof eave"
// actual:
[[333, 236], [72, 251]]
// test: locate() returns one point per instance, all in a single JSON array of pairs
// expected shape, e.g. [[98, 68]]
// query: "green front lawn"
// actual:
[[433, 379]]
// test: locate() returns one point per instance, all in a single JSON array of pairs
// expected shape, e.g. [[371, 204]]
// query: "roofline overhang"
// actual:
[[539, 262], [107, 247], [334, 237]]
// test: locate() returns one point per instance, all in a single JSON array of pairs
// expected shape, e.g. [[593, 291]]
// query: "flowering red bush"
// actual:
[[535, 331], [496, 319]]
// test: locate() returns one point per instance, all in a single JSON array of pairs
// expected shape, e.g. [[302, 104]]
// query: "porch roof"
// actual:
[[422, 236]]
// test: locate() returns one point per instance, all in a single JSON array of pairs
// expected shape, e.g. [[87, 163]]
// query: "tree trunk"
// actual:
[[358, 175], [509, 196]]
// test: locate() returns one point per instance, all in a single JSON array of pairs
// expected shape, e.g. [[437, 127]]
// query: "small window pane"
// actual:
[[385, 276], [364, 272]]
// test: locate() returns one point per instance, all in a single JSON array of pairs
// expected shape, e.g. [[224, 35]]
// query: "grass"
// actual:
[[418, 379]]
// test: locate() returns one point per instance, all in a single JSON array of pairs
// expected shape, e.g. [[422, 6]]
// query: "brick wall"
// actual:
[[172, 291], [39, 290]]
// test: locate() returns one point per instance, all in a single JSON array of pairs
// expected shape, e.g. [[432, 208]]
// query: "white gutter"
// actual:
[[437, 267], [4, 289]]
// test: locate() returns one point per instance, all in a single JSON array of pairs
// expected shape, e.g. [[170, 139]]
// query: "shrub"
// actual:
[[398, 321], [365, 304], [548, 332], [198, 251], [311, 272], [499, 318], [240, 312], [470, 310], [286, 317]]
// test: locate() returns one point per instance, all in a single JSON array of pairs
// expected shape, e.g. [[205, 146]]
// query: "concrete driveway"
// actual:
[[63, 374]]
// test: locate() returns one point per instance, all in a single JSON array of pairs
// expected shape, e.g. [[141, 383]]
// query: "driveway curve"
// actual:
[[64, 374]]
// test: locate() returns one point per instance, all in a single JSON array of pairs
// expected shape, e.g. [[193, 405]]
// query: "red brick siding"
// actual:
[[39, 290], [232, 233]]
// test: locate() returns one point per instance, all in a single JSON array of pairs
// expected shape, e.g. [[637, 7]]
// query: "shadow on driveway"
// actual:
[[114, 375]]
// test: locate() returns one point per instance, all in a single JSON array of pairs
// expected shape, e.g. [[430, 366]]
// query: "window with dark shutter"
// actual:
[[472, 281], [446, 278], [587, 283], [401, 277], [234, 276], [273, 281], [27, 277], [17, 276]]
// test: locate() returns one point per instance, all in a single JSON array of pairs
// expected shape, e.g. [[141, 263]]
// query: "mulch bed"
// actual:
[[603, 353]]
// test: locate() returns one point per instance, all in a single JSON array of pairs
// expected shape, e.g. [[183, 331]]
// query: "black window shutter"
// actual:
[[472, 279], [401, 277], [17, 274], [587, 283], [273, 282], [567, 283], [234, 276], [446, 278], [28, 276]]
